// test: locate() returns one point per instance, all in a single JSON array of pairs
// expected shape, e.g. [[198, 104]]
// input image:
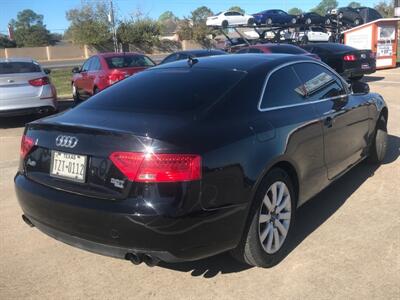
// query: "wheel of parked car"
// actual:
[[75, 94], [377, 150], [224, 24], [271, 223], [268, 21]]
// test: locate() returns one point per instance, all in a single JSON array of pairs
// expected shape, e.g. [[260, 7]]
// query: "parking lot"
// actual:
[[347, 242]]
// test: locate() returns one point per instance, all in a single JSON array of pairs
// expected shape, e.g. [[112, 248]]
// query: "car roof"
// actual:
[[112, 54], [18, 59], [200, 51], [243, 62]]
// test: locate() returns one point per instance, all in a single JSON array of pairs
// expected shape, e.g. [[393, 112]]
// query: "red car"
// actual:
[[104, 69], [277, 48]]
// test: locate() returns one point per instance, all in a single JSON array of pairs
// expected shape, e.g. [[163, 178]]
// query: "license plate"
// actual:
[[365, 66], [68, 166]]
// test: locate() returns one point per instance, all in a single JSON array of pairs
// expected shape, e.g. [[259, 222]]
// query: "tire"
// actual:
[[304, 40], [308, 21], [268, 21], [378, 147], [293, 21], [357, 22], [224, 24], [251, 22], [340, 15], [328, 21], [259, 245]]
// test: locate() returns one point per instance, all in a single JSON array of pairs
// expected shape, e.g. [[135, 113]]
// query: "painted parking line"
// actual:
[[384, 81]]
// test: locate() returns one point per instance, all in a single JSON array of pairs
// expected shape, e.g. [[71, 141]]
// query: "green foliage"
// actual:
[[237, 9], [89, 24], [385, 8], [295, 11], [29, 30], [354, 4], [200, 14], [167, 15], [324, 6], [6, 43], [142, 33]]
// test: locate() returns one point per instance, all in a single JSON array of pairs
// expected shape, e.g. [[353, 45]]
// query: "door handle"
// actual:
[[328, 122]]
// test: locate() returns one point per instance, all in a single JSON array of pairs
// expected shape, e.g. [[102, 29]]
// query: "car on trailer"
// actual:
[[274, 17], [312, 18], [228, 18]]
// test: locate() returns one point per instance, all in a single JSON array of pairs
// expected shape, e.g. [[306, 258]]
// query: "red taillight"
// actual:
[[349, 57], [39, 81], [143, 167], [117, 76], [26, 145]]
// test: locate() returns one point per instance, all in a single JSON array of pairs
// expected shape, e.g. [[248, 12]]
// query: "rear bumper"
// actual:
[[113, 228], [354, 72], [27, 111]]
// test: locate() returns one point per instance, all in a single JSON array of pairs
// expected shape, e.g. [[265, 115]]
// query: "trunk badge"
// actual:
[[66, 141]]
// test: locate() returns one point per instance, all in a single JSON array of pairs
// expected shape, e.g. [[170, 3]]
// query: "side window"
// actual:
[[319, 82], [275, 95], [171, 58], [86, 65], [95, 64], [254, 50], [241, 51], [234, 13]]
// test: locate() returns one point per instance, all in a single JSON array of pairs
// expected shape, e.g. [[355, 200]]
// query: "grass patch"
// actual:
[[61, 78]]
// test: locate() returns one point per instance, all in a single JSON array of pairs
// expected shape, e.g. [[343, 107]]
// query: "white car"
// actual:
[[314, 34], [227, 18]]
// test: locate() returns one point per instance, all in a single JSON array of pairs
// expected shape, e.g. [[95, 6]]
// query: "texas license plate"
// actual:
[[68, 166], [365, 66]]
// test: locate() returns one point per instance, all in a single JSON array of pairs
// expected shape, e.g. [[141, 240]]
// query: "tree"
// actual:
[[354, 4], [142, 33], [237, 9], [324, 6], [200, 14], [295, 11], [89, 24], [385, 8], [29, 30], [167, 15], [6, 43]]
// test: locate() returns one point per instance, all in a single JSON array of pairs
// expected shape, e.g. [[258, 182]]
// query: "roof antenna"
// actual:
[[192, 61]]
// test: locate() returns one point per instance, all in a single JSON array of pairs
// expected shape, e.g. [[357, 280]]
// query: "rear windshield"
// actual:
[[18, 67], [172, 90], [129, 61], [286, 49]]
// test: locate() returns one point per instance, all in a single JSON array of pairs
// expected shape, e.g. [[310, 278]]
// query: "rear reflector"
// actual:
[[26, 146], [144, 167], [349, 57], [39, 81]]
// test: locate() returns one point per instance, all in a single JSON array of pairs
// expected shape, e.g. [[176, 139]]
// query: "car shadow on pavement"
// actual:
[[308, 218], [372, 78], [20, 121]]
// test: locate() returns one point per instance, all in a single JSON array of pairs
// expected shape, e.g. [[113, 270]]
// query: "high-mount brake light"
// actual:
[[145, 167]]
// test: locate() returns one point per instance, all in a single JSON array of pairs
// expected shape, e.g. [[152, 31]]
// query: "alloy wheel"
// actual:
[[274, 217]]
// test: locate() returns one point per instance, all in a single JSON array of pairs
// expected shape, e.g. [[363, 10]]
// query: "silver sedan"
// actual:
[[25, 88]]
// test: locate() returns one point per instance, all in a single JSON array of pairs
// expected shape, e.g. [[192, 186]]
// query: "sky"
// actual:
[[54, 10]]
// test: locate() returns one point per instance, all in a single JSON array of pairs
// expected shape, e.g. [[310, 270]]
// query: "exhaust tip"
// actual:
[[27, 221], [150, 260], [134, 258]]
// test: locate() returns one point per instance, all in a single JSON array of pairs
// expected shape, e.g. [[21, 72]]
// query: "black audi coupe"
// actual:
[[197, 157]]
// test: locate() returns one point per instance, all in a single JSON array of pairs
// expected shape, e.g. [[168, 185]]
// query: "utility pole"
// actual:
[[114, 30]]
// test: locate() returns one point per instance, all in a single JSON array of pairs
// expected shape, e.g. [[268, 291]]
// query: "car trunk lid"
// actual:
[[17, 86]]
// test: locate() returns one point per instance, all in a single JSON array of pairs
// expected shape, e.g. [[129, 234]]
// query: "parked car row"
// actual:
[[196, 157], [345, 15]]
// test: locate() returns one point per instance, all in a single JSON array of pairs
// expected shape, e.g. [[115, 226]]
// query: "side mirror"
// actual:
[[76, 70], [359, 87], [46, 71]]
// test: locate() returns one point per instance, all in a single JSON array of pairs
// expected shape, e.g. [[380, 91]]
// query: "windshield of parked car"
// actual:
[[129, 61], [167, 90], [18, 67]]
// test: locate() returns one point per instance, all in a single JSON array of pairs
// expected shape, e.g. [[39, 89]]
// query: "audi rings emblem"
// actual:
[[66, 141]]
